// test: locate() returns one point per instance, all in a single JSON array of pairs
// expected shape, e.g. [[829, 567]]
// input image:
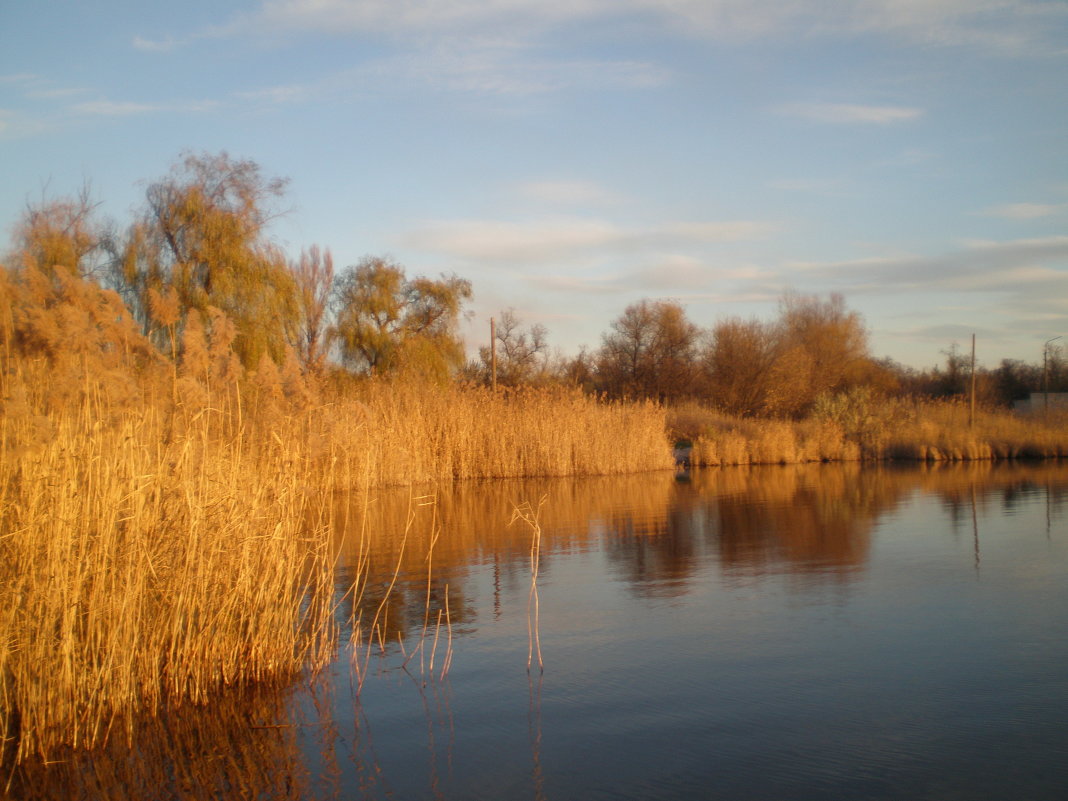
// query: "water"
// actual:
[[813, 632]]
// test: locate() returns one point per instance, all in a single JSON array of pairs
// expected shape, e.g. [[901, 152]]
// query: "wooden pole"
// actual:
[[493, 354], [971, 411]]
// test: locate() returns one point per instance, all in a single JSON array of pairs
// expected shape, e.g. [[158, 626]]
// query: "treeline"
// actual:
[[197, 262]]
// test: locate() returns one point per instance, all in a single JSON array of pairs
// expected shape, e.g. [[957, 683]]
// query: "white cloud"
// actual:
[[569, 240], [20, 78], [421, 15], [164, 45], [112, 108], [978, 265], [507, 67], [497, 241], [1007, 25], [125, 108], [850, 113], [567, 193], [716, 231], [1025, 211], [279, 95]]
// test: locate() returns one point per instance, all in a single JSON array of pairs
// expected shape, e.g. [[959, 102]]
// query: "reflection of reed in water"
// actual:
[[244, 745], [529, 515], [657, 531], [402, 558], [377, 603]]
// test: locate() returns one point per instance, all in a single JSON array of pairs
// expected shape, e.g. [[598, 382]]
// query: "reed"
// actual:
[[168, 533], [140, 568], [859, 426]]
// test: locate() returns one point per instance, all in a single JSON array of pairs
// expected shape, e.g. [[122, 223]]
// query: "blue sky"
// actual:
[[570, 157]]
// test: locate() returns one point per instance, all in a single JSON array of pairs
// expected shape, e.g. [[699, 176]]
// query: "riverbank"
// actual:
[[858, 427]]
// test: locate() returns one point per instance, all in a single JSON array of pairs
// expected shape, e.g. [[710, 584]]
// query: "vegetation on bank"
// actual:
[[860, 425], [178, 402], [165, 526]]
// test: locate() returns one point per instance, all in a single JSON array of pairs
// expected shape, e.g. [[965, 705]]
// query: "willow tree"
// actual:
[[62, 234], [386, 322], [203, 233]]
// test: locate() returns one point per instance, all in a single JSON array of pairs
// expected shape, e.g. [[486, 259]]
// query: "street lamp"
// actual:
[[1045, 375]]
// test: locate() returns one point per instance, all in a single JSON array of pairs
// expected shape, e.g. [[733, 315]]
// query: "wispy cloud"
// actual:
[[509, 67], [568, 193], [280, 95], [850, 113], [165, 45], [126, 108], [568, 240], [1026, 211], [1013, 26], [977, 266], [113, 108]]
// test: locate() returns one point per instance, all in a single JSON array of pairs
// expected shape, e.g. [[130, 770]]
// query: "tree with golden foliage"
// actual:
[[62, 234], [650, 352], [386, 322], [737, 362], [203, 232], [816, 348], [829, 344]]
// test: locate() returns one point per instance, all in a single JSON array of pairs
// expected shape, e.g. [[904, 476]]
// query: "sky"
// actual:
[[572, 157]]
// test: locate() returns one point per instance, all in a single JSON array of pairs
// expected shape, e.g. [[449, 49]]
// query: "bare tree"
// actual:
[[313, 275], [650, 352], [522, 352]]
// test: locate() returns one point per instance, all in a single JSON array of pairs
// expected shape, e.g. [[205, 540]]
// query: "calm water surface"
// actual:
[[817, 632]]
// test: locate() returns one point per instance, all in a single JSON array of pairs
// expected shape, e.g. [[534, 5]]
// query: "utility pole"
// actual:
[[493, 354], [1045, 375], [971, 411]]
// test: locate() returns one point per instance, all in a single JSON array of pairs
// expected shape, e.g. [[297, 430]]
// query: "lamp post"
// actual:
[[1045, 375]]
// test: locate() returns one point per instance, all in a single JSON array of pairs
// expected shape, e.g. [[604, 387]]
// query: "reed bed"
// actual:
[[140, 570], [165, 533], [859, 426], [402, 432]]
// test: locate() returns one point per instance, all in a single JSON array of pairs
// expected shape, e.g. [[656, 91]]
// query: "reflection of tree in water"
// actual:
[[654, 552], [801, 518], [797, 520], [967, 487]]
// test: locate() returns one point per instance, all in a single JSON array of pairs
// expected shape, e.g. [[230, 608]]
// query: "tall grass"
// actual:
[[167, 533], [860, 426], [141, 568]]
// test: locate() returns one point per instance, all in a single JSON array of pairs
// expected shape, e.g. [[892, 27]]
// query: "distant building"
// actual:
[[1037, 402]]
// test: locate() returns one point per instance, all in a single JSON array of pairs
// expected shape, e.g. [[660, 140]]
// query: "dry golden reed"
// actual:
[[166, 530], [861, 427]]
